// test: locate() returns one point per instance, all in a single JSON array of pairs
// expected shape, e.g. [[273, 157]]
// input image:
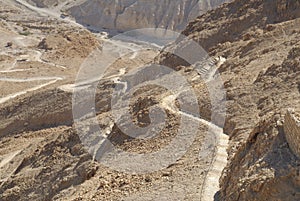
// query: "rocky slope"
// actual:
[[133, 14], [41, 154], [264, 168], [260, 39], [42, 157]]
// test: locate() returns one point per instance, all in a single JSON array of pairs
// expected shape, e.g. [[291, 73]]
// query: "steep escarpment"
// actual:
[[135, 14], [45, 3]]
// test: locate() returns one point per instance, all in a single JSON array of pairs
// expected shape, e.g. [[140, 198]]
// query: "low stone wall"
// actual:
[[292, 131]]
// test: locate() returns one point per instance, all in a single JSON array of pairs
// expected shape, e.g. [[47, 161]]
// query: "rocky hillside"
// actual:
[[260, 39], [41, 153], [42, 156], [133, 14]]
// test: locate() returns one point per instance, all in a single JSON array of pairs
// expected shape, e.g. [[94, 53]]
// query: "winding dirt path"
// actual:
[[14, 95], [29, 79], [219, 162], [14, 70], [37, 56]]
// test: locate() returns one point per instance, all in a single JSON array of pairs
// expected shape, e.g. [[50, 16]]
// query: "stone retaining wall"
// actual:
[[292, 131]]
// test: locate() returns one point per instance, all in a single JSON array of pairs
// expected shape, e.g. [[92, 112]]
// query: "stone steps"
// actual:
[[211, 185]]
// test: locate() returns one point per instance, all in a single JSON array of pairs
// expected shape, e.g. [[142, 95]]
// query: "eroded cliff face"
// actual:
[[45, 3], [264, 168], [135, 14]]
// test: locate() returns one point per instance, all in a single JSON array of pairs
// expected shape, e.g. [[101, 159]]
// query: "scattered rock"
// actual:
[[44, 44], [9, 44]]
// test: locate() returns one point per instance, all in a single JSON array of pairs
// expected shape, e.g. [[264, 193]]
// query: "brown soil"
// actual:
[[42, 157]]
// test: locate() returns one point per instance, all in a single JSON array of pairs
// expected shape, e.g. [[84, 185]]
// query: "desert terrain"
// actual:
[[90, 113]]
